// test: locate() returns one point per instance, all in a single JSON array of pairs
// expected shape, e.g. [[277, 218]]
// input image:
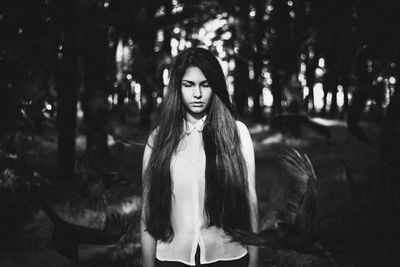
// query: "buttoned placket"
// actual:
[[195, 142]]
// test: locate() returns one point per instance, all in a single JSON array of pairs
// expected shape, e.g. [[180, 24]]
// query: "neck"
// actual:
[[193, 118]]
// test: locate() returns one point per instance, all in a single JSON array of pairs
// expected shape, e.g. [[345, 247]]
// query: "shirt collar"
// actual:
[[188, 127]]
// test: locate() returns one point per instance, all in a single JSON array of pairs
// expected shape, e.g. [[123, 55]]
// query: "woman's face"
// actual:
[[196, 94]]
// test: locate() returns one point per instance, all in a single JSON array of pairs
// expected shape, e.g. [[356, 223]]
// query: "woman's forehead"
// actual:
[[193, 73]]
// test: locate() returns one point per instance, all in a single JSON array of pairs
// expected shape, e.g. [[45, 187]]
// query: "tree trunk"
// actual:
[[390, 152], [310, 77], [67, 83], [96, 61], [258, 60]]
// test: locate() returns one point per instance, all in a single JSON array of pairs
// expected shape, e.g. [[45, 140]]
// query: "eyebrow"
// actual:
[[191, 82]]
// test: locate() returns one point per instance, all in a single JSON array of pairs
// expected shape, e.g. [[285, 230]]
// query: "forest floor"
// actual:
[[354, 221]]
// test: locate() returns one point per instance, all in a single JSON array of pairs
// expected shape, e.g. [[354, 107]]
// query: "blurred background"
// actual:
[[82, 80]]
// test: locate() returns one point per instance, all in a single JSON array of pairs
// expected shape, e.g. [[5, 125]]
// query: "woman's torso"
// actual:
[[188, 217]]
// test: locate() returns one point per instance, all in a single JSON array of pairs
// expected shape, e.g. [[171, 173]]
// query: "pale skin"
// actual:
[[196, 94], [196, 97]]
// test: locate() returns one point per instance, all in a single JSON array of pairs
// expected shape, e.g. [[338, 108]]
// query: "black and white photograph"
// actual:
[[214, 133]]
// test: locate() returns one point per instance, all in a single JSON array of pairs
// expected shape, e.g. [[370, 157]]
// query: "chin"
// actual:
[[197, 112]]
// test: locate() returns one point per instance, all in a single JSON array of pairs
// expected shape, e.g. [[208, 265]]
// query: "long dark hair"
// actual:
[[226, 197]]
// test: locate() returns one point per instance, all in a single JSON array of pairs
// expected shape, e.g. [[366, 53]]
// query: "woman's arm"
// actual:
[[148, 242], [248, 154], [148, 246], [253, 251]]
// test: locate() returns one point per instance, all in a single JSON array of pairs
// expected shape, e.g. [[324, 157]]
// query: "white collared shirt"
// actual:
[[187, 202], [188, 127]]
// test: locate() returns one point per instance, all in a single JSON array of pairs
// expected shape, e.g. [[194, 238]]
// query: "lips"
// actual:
[[197, 104]]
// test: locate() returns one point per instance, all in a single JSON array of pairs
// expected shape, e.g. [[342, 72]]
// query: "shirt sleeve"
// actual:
[[248, 153], [148, 242], [148, 150]]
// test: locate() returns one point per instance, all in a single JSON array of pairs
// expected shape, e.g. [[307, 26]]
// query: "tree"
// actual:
[[67, 85]]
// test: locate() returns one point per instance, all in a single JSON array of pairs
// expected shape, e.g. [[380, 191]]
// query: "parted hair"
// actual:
[[226, 197]]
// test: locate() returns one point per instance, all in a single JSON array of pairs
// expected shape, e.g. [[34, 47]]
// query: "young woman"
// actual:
[[198, 172]]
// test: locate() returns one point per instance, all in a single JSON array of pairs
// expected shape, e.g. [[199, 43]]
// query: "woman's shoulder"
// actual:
[[243, 131], [242, 127], [152, 137], [245, 138]]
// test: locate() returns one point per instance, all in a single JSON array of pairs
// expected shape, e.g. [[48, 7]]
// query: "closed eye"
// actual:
[[187, 83], [205, 84]]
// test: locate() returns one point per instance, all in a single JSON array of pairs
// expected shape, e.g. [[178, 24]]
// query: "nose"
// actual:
[[197, 92]]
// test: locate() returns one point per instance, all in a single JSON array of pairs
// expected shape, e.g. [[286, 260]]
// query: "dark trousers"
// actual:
[[242, 262]]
